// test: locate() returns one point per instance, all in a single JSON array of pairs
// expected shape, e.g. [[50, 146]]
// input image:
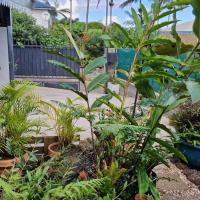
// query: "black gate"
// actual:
[[31, 62]]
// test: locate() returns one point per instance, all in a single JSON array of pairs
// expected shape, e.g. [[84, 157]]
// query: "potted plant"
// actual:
[[18, 105], [65, 116], [186, 121]]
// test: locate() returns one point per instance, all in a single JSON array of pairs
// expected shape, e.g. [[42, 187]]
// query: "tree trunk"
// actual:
[[87, 15], [107, 7], [70, 15], [111, 6]]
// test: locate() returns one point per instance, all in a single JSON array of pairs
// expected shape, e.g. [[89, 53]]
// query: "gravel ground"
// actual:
[[174, 185]]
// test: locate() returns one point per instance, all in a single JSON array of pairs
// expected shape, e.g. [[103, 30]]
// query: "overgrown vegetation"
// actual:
[[125, 149]]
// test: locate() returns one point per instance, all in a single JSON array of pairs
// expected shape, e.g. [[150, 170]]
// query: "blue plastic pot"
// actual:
[[192, 153]]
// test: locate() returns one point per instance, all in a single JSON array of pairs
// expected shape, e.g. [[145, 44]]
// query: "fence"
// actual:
[[32, 62]]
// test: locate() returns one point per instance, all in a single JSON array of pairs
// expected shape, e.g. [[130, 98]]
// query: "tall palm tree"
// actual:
[[128, 2], [107, 8], [111, 4], [87, 15], [70, 15], [57, 11]]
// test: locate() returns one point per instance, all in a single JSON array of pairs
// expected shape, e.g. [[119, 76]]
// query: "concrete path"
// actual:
[[50, 94]]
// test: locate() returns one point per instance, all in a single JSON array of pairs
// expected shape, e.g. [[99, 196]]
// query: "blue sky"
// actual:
[[98, 14]]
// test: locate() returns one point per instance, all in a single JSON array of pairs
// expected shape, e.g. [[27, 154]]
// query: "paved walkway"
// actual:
[[50, 94]]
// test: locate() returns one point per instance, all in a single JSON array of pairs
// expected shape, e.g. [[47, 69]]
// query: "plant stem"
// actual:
[[193, 51], [90, 121], [135, 103]]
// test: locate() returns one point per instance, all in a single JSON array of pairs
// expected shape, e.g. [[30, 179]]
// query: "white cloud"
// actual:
[[114, 19]]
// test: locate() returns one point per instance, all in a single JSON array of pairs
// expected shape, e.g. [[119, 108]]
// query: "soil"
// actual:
[[6, 157], [192, 175]]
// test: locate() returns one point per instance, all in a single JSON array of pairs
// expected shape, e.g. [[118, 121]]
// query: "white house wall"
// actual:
[[4, 59], [42, 17]]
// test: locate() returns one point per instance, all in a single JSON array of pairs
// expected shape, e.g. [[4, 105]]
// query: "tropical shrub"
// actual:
[[65, 116], [25, 30], [186, 121], [18, 105], [143, 150]]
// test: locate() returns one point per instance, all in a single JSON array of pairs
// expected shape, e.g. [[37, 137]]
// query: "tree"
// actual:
[[107, 7], [87, 15], [111, 4], [25, 30], [70, 15]]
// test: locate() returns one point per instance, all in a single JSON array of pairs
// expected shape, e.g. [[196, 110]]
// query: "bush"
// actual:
[[187, 117]]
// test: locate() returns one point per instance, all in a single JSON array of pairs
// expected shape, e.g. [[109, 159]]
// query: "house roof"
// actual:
[[18, 4], [41, 5]]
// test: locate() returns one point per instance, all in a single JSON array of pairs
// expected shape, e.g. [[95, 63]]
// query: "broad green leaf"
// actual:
[[156, 7], [196, 12], [170, 148], [153, 75], [165, 58], [66, 68], [154, 191], [176, 103], [97, 103], [194, 90], [69, 87], [159, 41], [194, 68], [143, 181], [178, 3], [117, 111], [98, 62], [78, 51], [138, 25], [167, 13], [99, 80], [119, 81], [114, 94], [159, 26], [156, 155], [145, 15], [125, 33], [57, 53], [164, 128], [122, 71], [145, 89]]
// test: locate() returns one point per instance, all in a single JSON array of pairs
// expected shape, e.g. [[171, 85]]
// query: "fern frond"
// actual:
[[7, 191], [80, 190]]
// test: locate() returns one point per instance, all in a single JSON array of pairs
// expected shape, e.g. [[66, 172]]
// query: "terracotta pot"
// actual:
[[83, 176], [9, 163], [51, 152], [137, 197]]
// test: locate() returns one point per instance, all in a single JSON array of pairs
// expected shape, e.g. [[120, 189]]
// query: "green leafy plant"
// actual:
[[88, 68], [142, 150], [65, 116], [18, 105], [37, 184], [186, 121]]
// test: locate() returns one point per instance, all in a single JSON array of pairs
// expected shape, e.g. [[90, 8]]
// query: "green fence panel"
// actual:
[[125, 58]]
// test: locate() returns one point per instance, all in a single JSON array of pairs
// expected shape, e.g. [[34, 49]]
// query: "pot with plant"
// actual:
[[186, 121], [65, 116], [18, 105]]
